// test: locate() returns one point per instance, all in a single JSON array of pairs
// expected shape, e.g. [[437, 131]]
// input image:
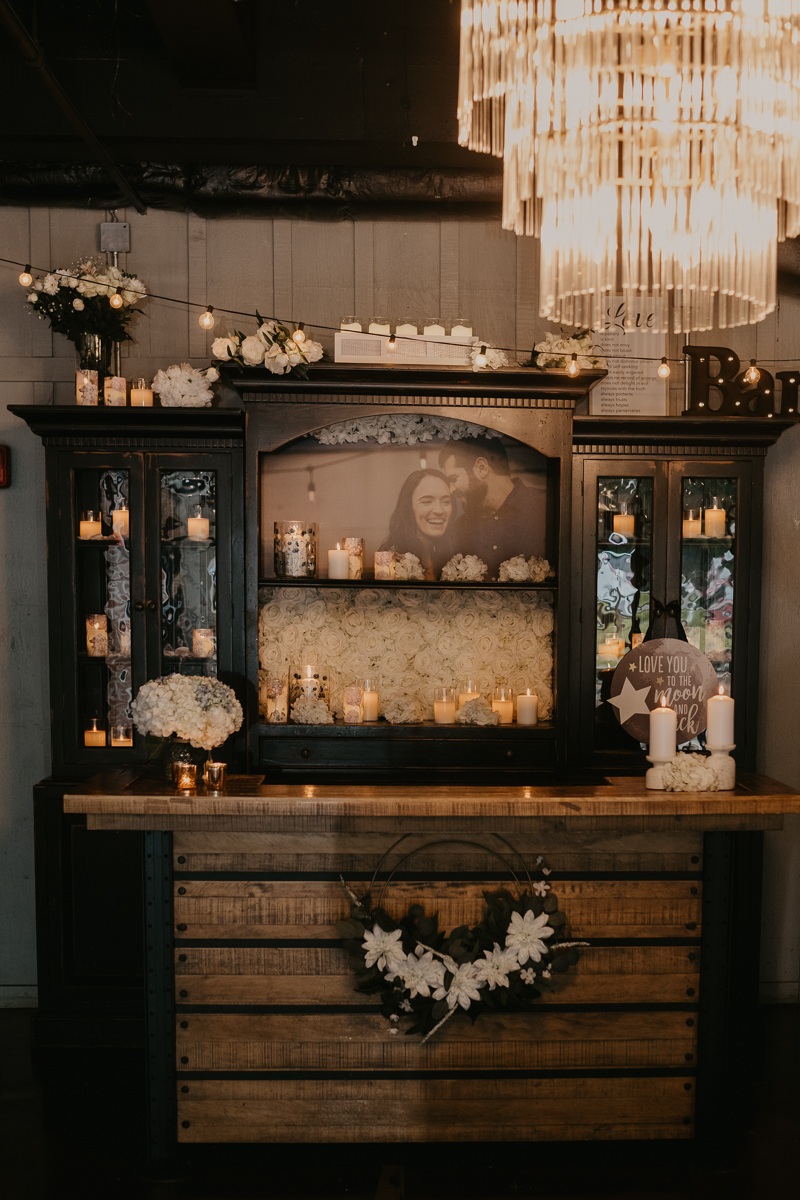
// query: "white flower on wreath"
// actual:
[[528, 975], [540, 888], [494, 358], [525, 936], [464, 987], [420, 974], [557, 351], [383, 949], [496, 967]]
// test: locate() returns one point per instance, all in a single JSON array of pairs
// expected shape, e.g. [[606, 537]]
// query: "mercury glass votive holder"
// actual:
[[97, 635], [275, 694], [203, 643], [355, 556], [215, 776], [351, 705], [295, 549], [384, 564], [186, 777]]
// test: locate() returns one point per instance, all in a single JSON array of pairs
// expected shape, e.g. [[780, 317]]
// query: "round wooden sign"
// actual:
[[665, 667]]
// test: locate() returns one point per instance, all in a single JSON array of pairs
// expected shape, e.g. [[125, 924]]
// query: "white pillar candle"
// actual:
[[444, 712], [506, 710], [119, 521], [692, 525], [461, 331], [369, 706], [90, 525], [94, 736], [719, 720], [379, 326], [141, 397], [338, 563], [433, 330], [527, 709], [715, 522], [198, 529], [407, 330], [624, 524], [663, 731]]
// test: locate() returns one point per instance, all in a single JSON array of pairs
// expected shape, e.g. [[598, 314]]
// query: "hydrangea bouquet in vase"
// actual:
[[193, 710]]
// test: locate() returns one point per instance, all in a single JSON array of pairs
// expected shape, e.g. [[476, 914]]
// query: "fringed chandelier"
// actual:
[[652, 145]]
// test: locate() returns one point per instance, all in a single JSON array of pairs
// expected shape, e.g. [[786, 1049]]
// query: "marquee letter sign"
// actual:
[[718, 387]]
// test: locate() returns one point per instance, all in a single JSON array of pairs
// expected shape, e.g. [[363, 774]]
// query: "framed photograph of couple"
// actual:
[[485, 495]]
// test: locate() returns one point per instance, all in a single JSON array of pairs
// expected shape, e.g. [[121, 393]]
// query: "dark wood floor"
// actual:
[[75, 1129]]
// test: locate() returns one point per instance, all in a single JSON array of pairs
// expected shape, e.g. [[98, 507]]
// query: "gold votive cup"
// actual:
[[215, 776], [186, 777]]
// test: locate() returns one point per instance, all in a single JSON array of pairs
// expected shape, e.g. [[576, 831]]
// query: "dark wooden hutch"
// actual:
[[92, 955]]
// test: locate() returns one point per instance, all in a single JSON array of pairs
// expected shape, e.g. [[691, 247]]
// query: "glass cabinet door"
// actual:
[[188, 542], [708, 568]]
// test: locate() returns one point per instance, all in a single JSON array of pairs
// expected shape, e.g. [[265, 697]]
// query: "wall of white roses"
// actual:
[[318, 271]]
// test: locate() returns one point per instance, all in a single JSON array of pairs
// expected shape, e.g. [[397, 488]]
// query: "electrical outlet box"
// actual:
[[115, 236]]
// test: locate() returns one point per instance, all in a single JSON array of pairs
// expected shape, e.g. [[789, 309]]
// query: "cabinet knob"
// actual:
[[151, 606], [305, 752], [138, 606]]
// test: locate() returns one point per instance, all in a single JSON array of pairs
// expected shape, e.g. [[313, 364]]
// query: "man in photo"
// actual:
[[499, 518]]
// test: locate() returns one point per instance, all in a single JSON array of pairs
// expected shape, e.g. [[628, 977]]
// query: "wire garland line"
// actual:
[[236, 312]]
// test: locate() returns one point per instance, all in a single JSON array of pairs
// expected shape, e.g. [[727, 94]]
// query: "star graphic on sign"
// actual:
[[631, 666], [631, 701], [660, 679]]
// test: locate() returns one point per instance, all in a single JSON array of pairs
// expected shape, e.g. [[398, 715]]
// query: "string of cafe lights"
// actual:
[[207, 321]]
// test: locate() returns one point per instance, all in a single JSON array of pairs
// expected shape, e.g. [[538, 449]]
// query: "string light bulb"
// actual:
[[206, 319], [116, 300], [752, 374], [298, 336], [572, 366], [26, 279], [480, 357], [392, 343], [663, 370]]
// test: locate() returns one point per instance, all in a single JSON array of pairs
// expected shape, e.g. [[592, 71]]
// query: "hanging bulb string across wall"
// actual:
[[207, 321]]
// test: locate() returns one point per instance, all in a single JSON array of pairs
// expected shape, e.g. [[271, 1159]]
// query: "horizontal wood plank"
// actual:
[[363, 1041], [492, 1132]]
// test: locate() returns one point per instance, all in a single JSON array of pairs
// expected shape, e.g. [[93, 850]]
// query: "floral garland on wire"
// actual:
[[400, 430], [504, 963], [556, 352], [273, 345]]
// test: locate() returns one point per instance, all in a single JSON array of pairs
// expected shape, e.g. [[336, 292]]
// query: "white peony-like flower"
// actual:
[[224, 348], [496, 966], [464, 569], [185, 386], [78, 304], [556, 351], [384, 949], [525, 935], [307, 711], [201, 709], [253, 351], [494, 358], [464, 987], [477, 712], [408, 566], [403, 710], [420, 974]]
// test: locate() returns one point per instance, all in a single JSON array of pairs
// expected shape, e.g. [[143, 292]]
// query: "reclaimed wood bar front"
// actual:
[[255, 1033]]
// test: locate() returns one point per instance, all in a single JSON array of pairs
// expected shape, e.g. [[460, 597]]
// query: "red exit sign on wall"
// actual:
[[5, 466]]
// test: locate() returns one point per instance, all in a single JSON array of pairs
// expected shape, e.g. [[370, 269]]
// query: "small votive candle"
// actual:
[[379, 325], [624, 520], [114, 391], [384, 564], [468, 690], [276, 695], [612, 649], [94, 736], [369, 699], [355, 556], [141, 394], [351, 705], [337, 563], [97, 635], [715, 520], [186, 776], [86, 385], [121, 735], [460, 328], [120, 520], [692, 525], [198, 526], [444, 705], [203, 643], [90, 525], [503, 703], [432, 328], [215, 776], [527, 708], [350, 324], [124, 638]]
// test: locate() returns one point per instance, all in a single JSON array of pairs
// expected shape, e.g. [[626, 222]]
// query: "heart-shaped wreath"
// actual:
[[503, 963]]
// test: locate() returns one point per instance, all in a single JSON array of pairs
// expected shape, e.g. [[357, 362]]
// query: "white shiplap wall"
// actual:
[[317, 271]]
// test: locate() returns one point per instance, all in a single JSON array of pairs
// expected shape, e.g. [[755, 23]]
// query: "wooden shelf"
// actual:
[[406, 583], [422, 730]]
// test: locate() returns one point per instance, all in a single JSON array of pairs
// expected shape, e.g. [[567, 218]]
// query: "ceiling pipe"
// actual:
[[33, 54]]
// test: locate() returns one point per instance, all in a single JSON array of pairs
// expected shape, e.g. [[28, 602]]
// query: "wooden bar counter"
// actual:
[[255, 1033]]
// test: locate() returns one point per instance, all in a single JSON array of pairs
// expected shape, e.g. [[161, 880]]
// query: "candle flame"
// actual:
[[721, 691], [338, 547], [663, 701]]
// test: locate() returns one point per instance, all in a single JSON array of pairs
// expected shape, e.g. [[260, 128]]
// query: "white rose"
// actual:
[[32, 297], [392, 622], [78, 304], [212, 375], [253, 351]]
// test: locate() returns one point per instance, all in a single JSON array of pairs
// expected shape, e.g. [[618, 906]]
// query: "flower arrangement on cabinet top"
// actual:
[[200, 709], [272, 345], [555, 352], [75, 300], [185, 386]]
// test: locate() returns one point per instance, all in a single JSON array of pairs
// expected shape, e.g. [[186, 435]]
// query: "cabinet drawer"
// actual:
[[424, 753]]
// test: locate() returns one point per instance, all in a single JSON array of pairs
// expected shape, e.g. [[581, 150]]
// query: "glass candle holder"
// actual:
[[715, 518], [295, 549], [503, 703], [120, 520], [203, 643], [461, 327], [94, 736], [115, 391], [215, 776], [276, 697], [121, 735], [310, 681], [91, 524], [468, 689], [527, 708], [198, 526], [186, 776], [624, 518], [692, 522], [369, 698], [141, 394], [351, 704], [350, 324], [97, 635], [355, 556], [125, 638], [407, 329], [384, 564], [432, 327], [611, 649], [444, 705], [379, 325]]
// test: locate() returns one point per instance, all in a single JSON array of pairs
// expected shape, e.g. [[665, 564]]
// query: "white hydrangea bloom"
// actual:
[[200, 709]]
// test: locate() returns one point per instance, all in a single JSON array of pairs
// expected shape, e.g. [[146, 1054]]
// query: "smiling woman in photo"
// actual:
[[421, 521]]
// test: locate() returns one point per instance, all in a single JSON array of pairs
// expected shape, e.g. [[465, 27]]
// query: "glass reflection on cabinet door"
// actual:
[[708, 561], [189, 572], [103, 610]]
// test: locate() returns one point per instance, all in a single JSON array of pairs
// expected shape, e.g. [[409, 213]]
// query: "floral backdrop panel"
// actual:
[[414, 640]]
